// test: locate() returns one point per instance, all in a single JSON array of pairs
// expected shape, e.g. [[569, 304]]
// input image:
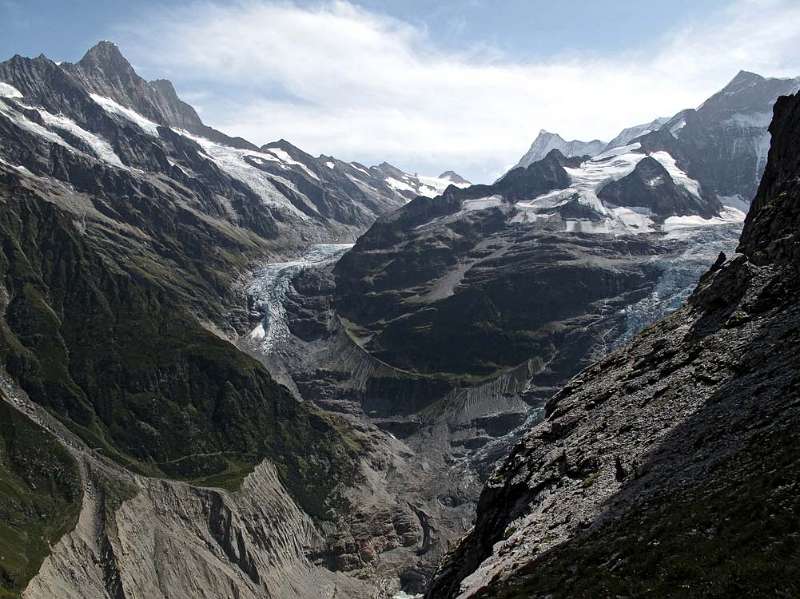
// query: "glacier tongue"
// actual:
[[270, 286]]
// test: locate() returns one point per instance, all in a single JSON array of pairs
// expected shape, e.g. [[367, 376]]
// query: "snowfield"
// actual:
[[9, 91], [236, 162], [591, 176], [100, 147], [111, 107]]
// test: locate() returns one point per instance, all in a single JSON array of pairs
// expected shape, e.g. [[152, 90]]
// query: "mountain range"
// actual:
[[723, 143], [231, 370]]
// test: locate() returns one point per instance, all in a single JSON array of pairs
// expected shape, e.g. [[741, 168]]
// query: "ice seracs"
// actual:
[[729, 215]]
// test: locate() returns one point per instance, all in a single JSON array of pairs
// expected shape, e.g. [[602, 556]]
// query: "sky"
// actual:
[[426, 85]]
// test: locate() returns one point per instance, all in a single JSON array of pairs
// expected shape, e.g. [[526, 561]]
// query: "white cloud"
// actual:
[[338, 79]]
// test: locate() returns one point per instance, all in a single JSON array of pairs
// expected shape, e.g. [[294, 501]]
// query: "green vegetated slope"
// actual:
[[40, 498], [101, 327]]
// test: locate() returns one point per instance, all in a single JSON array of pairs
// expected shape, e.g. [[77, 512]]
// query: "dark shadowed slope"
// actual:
[[669, 468]]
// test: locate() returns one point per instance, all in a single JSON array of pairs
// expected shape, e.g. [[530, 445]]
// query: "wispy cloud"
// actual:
[[338, 79]]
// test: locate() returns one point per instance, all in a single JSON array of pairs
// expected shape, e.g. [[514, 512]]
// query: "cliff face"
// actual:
[[670, 467]]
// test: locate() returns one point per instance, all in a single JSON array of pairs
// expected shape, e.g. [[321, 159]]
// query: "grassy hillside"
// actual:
[[40, 498]]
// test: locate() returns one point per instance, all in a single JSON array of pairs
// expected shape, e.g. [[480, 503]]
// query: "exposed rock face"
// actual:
[[479, 316], [673, 462], [629, 134], [481, 280], [725, 141], [105, 71], [546, 142], [410, 186], [102, 109], [454, 177], [144, 537], [651, 186]]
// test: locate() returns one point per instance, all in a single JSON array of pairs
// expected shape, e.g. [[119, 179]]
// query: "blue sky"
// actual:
[[526, 28], [426, 85]]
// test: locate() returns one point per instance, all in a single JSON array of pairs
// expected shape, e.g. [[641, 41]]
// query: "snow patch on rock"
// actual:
[[100, 147], [9, 91], [134, 117], [234, 161]]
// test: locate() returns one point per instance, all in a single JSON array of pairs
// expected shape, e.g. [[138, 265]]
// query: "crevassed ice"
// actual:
[[112, 107], [9, 91], [270, 285], [728, 215], [637, 220]]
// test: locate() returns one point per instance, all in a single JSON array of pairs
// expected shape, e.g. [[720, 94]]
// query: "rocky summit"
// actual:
[[722, 144]]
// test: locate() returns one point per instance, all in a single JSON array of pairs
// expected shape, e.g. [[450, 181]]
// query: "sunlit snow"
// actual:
[[680, 178], [100, 147], [233, 161], [9, 91], [112, 107], [286, 159], [728, 215], [590, 177], [399, 185]]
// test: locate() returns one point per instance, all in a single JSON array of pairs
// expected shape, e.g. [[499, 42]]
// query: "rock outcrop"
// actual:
[[668, 468]]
